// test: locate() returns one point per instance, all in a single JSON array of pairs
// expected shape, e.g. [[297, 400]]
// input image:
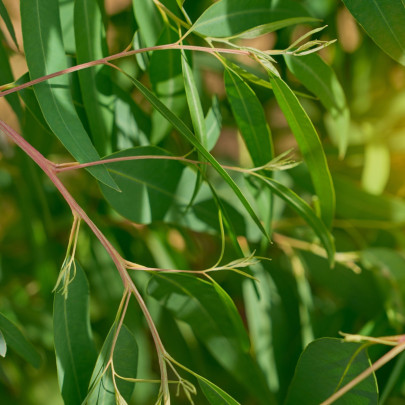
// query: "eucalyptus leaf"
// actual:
[[214, 394], [44, 51], [148, 20], [3, 345], [7, 20], [74, 346], [18, 342], [384, 22], [213, 123]]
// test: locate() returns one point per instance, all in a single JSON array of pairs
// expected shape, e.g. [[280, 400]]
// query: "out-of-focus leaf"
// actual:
[[7, 20], [305, 211], [215, 321], [327, 365], [101, 387], [6, 76], [74, 346], [167, 83], [184, 131], [147, 186], [214, 394], [3, 345], [148, 20], [18, 342], [310, 147], [384, 22], [45, 54], [227, 18], [321, 80], [377, 166], [95, 84], [213, 122], [249, 115], [66, 13], [356, 204]]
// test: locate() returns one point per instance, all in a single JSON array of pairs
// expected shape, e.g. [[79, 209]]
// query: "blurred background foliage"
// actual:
[[303, 298]]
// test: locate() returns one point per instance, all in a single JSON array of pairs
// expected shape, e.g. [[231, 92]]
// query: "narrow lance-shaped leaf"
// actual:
[[3, 345], [327, 365], [310, 146], [101, 387], [214, 394], [148, 20], [74, 346], [184, 131], [305, 211], [18, 342], [95, 83], [321, 80], [7, 20], [249, 115], [384, 21], [45, 54], [213, 122]]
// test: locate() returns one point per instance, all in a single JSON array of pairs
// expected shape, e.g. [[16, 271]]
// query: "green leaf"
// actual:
[[214, 394], [213, 122], [74, 346], [148, 186], [327, 365], [3, 345], [321, 80], [227, 18], [305, 211], [249, 115], [184, 131], [101, 388], [7, 20], [95, 83], [215, 321], [18, 342], [310, 147], [45, 54], [384, 22], [149, 21]]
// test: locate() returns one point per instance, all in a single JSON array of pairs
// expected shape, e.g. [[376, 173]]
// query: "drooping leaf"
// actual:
[[45, 54], [384, 22], [215, 321], [321, 80], [167, 83], [74, 345], [213, 122], [226, 18], [7, 20], [184, 131], [310, 147], [101, 387], [249, 115], [95, 84], [305, 211], [326, 365], [147, 186], [18, 342]]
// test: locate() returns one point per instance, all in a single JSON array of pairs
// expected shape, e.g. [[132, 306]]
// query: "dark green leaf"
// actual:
[[384, 21], [18, 342], [310, 147], [327, 365], [249, 115], [305, 211], [321, 80], [101, 388], [95, 83], [214, 394], [6, 18], [148, 186], [74, 346], [226, 18], [213, 122], [183, 129], [45, 54], [215, 321]]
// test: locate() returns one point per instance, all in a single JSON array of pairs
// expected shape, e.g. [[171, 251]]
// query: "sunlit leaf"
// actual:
[[327, 365], [18, 342], [74, 346], [384, 22], [45, 54], [3, 345], [148, 20], [310, 146], [213, 123]]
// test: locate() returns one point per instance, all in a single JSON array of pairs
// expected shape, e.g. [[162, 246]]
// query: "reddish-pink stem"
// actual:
[[119, 55]]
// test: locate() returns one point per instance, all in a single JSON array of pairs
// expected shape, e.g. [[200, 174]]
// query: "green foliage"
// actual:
[[240, 205]]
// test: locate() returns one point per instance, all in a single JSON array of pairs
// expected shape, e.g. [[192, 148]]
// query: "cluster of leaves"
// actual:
[[183, 221]]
